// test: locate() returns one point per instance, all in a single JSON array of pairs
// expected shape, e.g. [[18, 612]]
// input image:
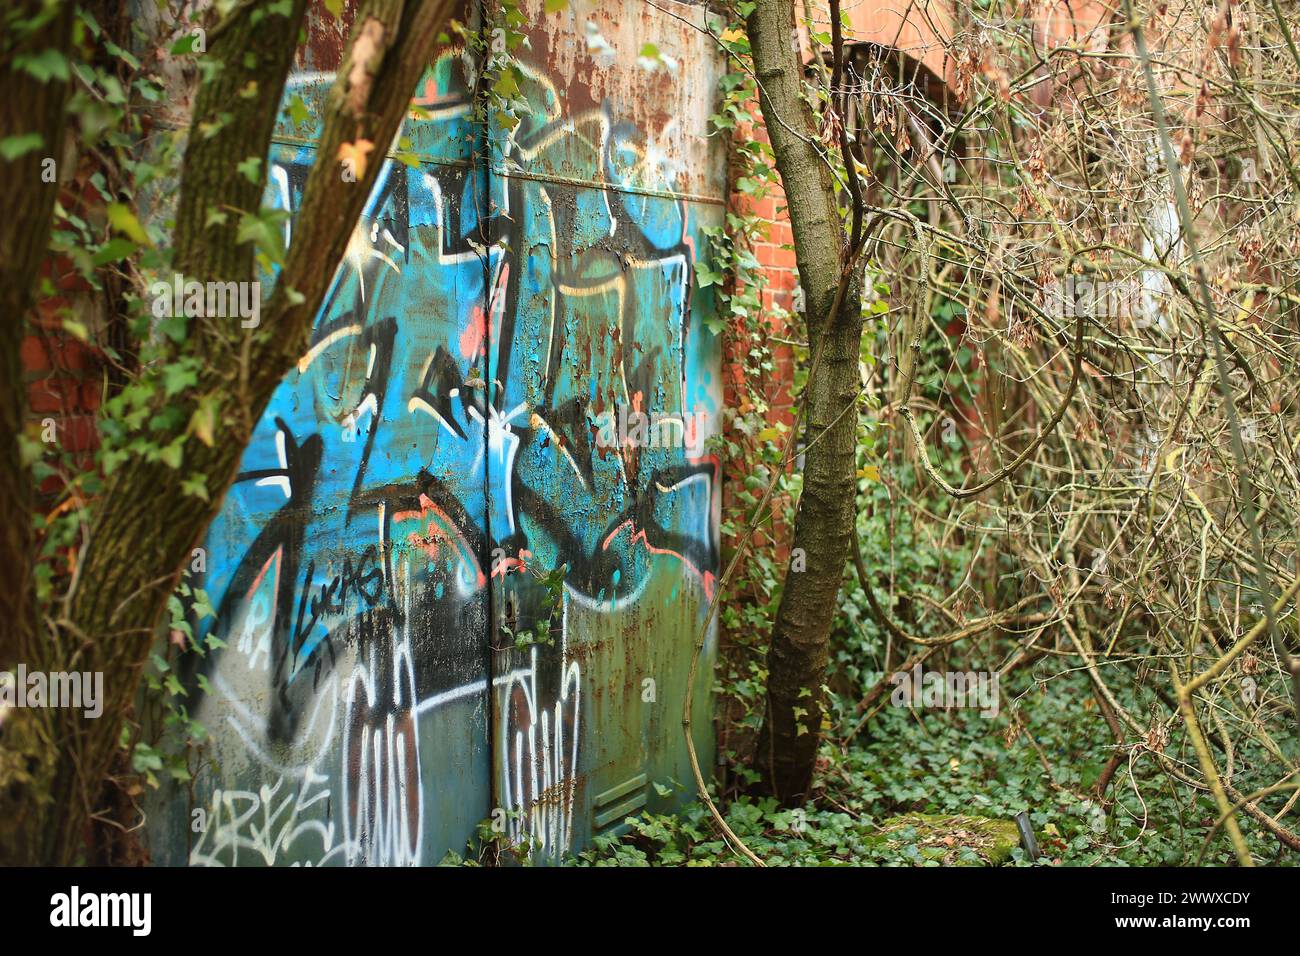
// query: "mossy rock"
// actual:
[[950, 840]]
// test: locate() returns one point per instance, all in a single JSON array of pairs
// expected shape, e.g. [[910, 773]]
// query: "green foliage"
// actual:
[[751, 446], [175, 743], [265, 230], [153, 390], [11, 147], [956, 763], [551, 605]]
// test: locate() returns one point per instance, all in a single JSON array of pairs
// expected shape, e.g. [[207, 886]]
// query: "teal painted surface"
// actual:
[[442, 448]]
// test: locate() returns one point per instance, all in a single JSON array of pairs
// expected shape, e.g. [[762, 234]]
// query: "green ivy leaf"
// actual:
[[11, 147], [46, 65], [265, 231], [203, 425], [171, 455], [506, 86], [76, 329], [299, 115], [121, 218], [203, 605], [251, 169], [145, 758], [177, 377], [113, 251]]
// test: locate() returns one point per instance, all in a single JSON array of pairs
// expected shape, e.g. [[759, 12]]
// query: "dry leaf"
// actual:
[[355, 155]]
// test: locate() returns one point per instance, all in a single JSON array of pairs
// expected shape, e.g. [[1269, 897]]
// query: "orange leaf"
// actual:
[[354, 155]]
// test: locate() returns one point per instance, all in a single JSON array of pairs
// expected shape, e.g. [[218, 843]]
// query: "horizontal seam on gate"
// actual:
[[630, 190]]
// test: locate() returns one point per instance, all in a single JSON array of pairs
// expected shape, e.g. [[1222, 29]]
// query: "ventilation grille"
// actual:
[[618, 802]]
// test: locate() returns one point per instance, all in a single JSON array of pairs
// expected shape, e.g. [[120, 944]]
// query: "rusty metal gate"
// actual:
[[459, 576]]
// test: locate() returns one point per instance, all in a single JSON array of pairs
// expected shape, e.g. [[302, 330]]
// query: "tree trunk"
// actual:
[[145, 526], [799, 650], [28, 106]]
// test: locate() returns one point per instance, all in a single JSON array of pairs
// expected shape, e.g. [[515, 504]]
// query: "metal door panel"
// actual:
[[437, 448]]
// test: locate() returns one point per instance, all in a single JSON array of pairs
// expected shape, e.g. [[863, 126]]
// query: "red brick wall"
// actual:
[[780, 277], [63, 375]]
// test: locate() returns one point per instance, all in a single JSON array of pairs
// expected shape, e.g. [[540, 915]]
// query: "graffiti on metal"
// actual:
[[430, 461]]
